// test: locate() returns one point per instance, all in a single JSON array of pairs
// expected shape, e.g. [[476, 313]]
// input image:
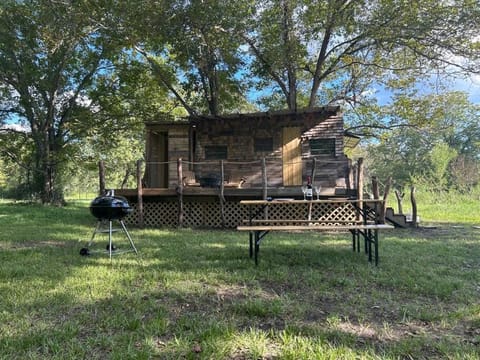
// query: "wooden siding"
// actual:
[[292, 156], [238, 134]]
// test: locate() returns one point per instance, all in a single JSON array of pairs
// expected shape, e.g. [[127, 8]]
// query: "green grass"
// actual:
[[195, 294]]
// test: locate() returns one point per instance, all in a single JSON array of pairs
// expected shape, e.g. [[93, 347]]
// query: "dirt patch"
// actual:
[[33, 244]]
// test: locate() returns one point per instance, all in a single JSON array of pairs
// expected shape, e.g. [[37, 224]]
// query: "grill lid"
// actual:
[[110, 207]]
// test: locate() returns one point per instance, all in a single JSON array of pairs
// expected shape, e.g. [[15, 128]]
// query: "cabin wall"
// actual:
[[238, 135], [188, 140], [178, 146]]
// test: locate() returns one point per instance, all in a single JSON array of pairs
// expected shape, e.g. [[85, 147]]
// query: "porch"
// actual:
[[215, 203]]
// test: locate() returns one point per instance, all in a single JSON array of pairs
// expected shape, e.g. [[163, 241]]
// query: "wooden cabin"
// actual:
[[242, 156]]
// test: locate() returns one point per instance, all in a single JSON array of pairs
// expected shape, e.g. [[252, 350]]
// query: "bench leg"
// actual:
[[371, 236], [369, 239], [258, 236], [355, 240], [250, 238], [257, 246]]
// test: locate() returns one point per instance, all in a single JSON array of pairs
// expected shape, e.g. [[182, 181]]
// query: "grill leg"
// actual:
[[128, 236], [99, 223], [101, 227], [110, 238]]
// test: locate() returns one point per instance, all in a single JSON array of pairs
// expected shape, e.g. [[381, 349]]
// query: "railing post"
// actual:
[[101, 177], [349, 175], [360, 187], [222, 188], [314, 169], [376, 197], [180, 192], [139, 195], [264, 186], [264, 180]]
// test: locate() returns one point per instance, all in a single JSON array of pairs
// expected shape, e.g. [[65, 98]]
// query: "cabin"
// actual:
[[197, 169]]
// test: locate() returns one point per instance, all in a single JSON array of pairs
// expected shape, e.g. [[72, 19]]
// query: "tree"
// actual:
[[329, 51], [50, 56], [191, 51], [435, 142]]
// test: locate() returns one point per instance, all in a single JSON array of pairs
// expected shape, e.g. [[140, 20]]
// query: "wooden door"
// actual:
[[292, 156], [157, 160]]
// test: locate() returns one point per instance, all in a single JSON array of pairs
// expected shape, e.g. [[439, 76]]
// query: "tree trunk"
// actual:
[[47, 181], [414, 207], [399, 196], [290, 60]]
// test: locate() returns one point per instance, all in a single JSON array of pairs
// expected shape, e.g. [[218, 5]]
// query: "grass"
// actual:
[[195, 294]]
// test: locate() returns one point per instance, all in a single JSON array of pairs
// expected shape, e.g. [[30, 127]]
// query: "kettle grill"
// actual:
[[106, 209]]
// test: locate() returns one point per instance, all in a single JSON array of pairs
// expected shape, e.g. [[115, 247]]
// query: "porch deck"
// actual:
[[192, 201], [206, 207]]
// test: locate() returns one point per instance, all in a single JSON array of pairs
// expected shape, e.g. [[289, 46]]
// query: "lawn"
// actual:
[[195, 294]]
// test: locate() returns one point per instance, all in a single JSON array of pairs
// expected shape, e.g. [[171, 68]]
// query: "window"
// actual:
[[322, 146], [263, 144], [216, 152]]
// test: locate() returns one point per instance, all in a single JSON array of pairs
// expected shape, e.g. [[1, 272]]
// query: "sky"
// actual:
[[470, 85]]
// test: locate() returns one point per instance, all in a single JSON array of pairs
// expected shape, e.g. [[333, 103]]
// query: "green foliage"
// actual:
[[49, 55], [80, 83], [433, 143]]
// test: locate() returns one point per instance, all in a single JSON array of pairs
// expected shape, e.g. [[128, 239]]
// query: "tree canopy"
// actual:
[[78, 74]]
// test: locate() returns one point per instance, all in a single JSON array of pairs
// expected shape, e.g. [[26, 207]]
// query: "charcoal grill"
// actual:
[[107, 209]]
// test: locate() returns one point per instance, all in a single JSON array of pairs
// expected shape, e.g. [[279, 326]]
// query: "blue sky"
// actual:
[[471, 86]]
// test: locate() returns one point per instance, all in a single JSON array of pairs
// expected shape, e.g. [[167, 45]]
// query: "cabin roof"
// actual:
[[263, 114], [244, 116]]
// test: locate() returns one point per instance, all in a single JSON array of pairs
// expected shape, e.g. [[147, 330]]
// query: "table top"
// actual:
[[323, 201]]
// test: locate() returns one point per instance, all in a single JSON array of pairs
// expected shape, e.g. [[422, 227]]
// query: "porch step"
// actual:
[[399, 220]]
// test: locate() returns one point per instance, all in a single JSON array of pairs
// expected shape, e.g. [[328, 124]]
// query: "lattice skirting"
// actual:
[[208, 214]]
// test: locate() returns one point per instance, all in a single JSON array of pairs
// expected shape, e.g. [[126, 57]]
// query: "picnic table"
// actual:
[[359, 219]]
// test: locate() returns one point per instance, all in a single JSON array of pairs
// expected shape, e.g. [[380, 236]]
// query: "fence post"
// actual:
[[140, 218]]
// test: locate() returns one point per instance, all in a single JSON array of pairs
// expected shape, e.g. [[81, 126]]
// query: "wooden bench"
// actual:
[[258, 229]]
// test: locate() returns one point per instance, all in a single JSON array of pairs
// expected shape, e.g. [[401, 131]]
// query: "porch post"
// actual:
[[314, 169], [360, 185], [376, 196], [139, 194], [180, 191], [101, 177], [264, 186], [222, 187], [264, 179]]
